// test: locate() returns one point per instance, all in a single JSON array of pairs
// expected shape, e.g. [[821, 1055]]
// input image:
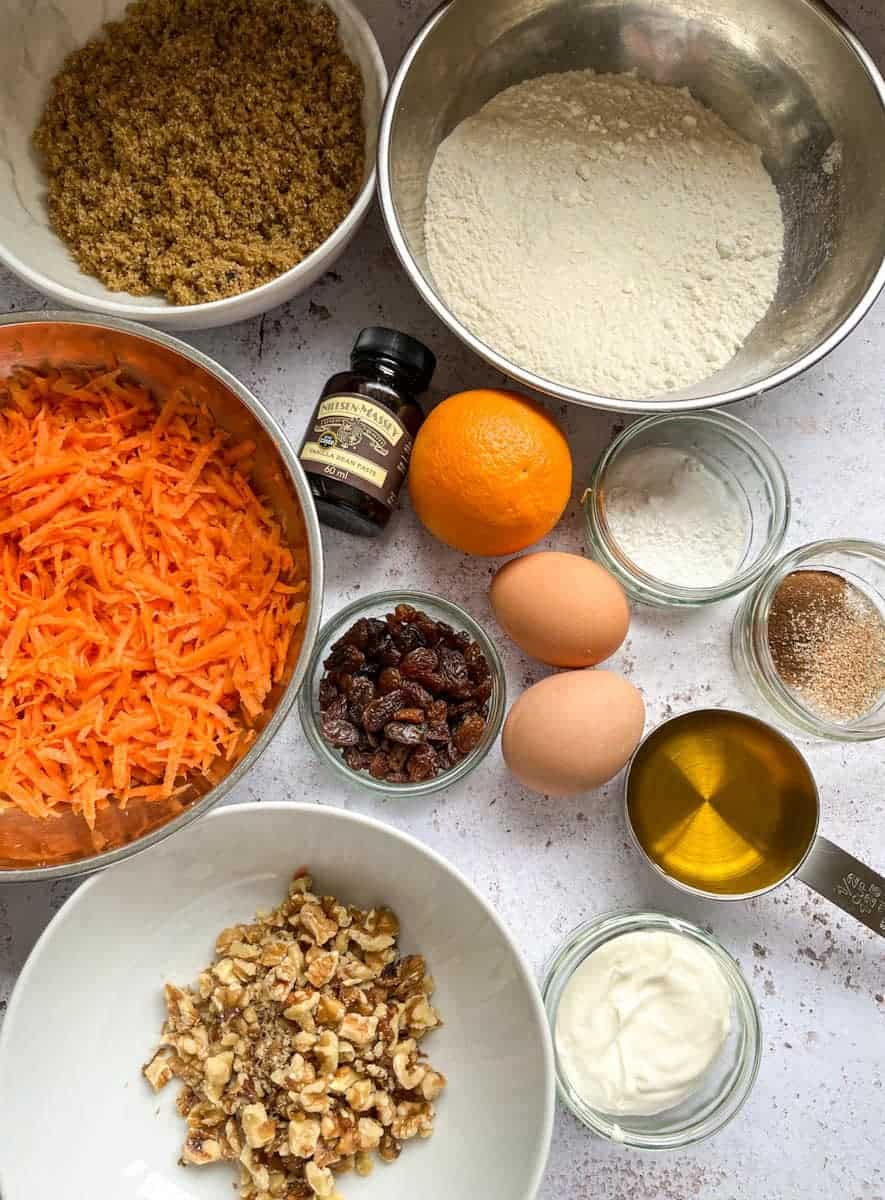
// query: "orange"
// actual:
[[491, 472]]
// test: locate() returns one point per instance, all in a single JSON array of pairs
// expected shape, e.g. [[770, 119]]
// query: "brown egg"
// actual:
[[573, 732], [560, 608]]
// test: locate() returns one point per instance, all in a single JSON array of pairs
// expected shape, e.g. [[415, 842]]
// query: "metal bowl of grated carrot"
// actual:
[[160, 588]]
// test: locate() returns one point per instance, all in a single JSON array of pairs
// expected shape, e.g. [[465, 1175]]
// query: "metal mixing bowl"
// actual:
[[31, 849], [786, 74]]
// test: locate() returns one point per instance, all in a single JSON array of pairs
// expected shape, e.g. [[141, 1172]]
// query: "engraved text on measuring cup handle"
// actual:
[[851, 884]]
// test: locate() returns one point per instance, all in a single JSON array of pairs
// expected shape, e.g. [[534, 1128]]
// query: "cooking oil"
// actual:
[[722, 802]]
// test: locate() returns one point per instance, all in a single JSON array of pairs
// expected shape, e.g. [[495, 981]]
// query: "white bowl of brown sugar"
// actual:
[[187, 163]]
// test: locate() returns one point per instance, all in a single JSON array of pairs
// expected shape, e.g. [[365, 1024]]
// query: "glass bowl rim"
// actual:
[[785, 705], [648, 588], [593, 933], [454, 615]]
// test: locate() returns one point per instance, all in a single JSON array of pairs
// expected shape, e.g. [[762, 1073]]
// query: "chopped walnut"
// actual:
[[257, 1125], [298, 1048], [200, 1150], [304, 1133], [432, 1085], [409, 1074], [159, 1070], [364, 1163]]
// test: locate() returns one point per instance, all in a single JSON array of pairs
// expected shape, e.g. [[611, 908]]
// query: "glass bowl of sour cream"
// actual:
[[656, 1034]]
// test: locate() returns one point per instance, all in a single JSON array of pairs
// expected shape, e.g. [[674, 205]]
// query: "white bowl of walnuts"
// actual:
[[302, 1001]]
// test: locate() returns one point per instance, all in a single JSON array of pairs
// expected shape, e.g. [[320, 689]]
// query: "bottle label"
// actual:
[[358, 442]]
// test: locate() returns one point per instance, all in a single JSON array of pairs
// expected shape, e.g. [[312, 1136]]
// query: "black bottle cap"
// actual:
[[406, 351]]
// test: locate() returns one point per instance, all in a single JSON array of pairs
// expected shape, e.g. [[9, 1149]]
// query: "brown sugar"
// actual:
[[827, 643], [200, 148]]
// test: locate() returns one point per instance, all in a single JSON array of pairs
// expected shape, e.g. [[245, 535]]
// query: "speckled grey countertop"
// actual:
[[813, 1126]]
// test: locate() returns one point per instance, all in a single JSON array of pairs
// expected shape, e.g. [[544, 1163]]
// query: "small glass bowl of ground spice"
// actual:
[[404, 695], [809, 640], [686, 509]]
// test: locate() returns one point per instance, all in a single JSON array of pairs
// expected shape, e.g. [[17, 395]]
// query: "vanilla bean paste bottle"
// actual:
[[357, 446]]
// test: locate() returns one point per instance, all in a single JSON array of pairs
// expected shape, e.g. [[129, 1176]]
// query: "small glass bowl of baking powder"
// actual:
[[808, 642], [725, 1085], [687, 509]]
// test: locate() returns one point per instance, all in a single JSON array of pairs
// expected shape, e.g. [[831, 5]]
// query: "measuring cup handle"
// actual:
[[838, 876]]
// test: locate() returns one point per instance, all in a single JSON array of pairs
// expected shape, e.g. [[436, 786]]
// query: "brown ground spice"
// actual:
[[827, 642], [199, 148]]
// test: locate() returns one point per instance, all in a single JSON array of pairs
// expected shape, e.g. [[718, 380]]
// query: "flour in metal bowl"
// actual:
[[604, 232]]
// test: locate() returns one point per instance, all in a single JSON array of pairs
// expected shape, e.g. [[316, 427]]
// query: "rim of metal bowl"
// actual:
[[97, 862], [153, 311], [561, 391]]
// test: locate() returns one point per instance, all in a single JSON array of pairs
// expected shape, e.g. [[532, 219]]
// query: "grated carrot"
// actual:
[[148, 597]]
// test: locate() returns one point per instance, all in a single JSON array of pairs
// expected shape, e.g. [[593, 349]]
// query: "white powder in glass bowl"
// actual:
[[676, 518]]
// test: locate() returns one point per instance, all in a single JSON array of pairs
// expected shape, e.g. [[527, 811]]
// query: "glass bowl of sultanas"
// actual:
[[404, 695]]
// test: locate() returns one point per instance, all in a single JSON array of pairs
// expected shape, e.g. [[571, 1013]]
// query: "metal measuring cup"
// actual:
[[830, 871]]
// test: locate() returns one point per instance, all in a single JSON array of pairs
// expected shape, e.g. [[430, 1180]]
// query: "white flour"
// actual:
[[676, 519], [604, 232]]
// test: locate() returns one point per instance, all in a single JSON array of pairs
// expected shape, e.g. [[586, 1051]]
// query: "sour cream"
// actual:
[[641, 1021]]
